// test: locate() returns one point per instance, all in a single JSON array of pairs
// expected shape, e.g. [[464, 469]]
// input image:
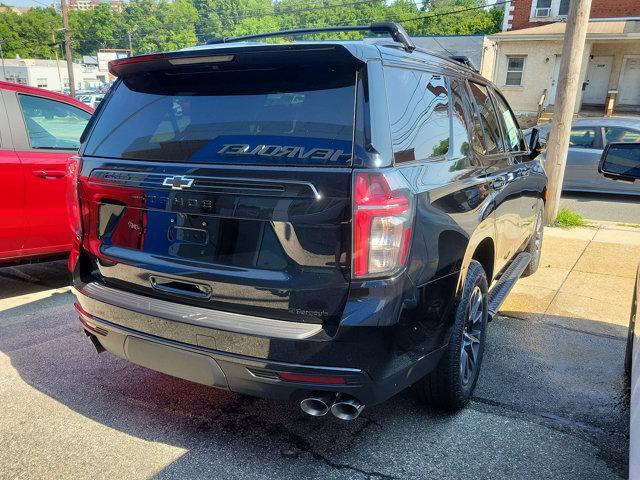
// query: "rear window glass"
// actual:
[[300, 115]]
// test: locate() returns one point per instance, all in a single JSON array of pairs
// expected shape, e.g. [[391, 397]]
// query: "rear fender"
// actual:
[[484, 234]]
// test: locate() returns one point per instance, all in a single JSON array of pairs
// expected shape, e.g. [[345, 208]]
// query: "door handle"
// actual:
[[498, 183], [176, 287], [49, 174]]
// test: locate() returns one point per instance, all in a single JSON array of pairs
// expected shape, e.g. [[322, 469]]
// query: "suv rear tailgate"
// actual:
[[226, 187]]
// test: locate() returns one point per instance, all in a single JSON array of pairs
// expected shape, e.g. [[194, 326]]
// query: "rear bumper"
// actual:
[[369, 367]]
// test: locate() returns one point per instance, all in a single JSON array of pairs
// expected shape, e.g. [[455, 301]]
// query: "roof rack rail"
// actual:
[[395, 30]]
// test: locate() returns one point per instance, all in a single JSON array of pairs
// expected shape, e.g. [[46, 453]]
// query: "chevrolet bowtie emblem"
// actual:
[[177, 182]]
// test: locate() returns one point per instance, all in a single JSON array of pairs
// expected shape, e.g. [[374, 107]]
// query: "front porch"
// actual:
[[528, 121], [528, 61]]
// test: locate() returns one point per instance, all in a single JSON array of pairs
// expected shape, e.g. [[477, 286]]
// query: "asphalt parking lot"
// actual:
[[623, 209], [551, 404]]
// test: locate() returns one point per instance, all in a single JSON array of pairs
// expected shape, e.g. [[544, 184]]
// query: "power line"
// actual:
[[419, 17], [453, 12], [48, 5], [165, 26]]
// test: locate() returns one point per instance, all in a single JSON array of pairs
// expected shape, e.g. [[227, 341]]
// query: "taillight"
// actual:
[[74, 212], [382, 219], [73, 201]]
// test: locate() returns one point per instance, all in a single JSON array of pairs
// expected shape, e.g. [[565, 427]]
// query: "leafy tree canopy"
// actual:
[[157, 25]]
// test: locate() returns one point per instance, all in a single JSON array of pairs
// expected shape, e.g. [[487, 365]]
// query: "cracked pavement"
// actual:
[[551, 404]]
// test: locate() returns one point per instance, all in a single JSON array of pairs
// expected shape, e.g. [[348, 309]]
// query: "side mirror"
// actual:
[[621, 161], [535, 144]]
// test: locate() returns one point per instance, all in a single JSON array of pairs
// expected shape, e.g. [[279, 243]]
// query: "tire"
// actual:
[[534, 247], [628, 352], [450, 385]]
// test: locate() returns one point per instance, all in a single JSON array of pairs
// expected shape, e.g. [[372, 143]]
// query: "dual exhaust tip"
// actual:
[[343, 406]]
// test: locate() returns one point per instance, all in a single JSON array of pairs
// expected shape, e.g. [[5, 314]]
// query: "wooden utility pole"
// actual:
[[4, 73], [55, 46], [130, 44], [567, 91], [67, 46]]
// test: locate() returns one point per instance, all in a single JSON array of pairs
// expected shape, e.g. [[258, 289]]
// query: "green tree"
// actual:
[[98, 28], [222, 18], [29, 35], [441, 19], [158, 25]]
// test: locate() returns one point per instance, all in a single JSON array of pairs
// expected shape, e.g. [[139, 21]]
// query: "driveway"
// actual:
[[551, 404]]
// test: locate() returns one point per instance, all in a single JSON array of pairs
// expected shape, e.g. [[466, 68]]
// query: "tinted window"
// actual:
[[583, 137], [623, 160], [564, 7], [509, 124], [277, 116], [52, 124], [621, 134], [459, 133], [488, 120], [418, 114]]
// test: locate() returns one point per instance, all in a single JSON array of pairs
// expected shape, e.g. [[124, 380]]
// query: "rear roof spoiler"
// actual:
[[395, 30], [222, 58]]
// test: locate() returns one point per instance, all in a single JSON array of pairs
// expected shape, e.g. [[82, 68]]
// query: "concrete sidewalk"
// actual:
[[585, 280]]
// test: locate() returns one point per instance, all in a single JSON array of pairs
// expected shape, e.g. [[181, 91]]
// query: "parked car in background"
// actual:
[[621, 162], [91, 99], [325, 222], [39, 130], [589, 137]]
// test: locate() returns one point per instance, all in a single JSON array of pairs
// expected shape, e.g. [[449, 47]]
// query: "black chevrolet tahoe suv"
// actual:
[[327, 222]]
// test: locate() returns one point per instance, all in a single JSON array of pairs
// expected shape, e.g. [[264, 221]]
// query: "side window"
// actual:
[[582, 137], [515, 70], [459, 133], [509, 124], [488, 119], [620, 134], [52, 124], [418, 114]]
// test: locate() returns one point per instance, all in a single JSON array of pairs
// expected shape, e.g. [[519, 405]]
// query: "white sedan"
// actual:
[[93, 100]]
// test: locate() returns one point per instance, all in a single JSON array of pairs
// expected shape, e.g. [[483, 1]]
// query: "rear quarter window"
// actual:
[[419, 117]]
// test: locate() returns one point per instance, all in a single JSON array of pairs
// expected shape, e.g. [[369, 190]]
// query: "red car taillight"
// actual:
[[73, 200], [74, 211], [382, 219]]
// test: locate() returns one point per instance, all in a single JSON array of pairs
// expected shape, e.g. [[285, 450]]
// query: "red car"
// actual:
[[39, 133]]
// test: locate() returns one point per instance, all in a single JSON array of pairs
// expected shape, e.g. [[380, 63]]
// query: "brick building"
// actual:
[[534, 13]]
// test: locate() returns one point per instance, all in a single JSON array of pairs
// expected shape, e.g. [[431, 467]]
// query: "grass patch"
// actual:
[[568, 219]]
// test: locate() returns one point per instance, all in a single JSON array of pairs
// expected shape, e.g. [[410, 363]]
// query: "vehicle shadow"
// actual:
[[540, 381], [619, 198], [33, 278]]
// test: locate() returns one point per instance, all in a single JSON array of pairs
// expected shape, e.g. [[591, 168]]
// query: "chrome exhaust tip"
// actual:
[[347, 407], [317, 404]]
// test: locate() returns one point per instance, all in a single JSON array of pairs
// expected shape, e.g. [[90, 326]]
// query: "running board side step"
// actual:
[[507, 280]]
